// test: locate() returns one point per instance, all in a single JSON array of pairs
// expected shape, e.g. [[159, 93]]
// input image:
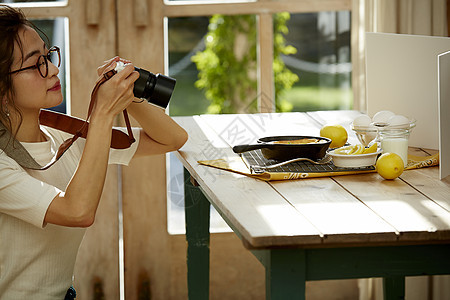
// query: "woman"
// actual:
[[43, 213]]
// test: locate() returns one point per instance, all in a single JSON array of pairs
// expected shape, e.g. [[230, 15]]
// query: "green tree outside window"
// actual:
[[228, 68]]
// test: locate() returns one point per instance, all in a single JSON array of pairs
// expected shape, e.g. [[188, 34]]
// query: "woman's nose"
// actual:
[[53, 70]]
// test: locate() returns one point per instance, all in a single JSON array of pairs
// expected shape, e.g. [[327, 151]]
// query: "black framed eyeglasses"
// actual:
[[53, 55]]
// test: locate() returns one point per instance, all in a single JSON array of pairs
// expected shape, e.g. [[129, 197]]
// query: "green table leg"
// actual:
[[285, 274], [197, 212], [394, 288]]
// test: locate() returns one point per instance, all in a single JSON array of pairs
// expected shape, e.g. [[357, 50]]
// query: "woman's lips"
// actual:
[[56, 87]]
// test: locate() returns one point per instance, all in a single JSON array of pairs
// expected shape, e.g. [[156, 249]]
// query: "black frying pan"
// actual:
[[276, 151]]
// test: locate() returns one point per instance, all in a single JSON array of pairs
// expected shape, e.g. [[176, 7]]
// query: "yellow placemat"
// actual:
[[236, 165]]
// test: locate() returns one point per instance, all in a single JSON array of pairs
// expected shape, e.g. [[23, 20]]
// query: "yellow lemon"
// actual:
[[371, 149], [389, 166], [336, 133], [344, 150], [359, 149], [350, 150]]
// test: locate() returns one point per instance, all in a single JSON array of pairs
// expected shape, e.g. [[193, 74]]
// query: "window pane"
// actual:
[[322, 61], [186, 37], [54, 29], [224, 51]]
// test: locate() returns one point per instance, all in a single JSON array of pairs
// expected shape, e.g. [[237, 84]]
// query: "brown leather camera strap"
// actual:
[[72, 125], [69, 124]]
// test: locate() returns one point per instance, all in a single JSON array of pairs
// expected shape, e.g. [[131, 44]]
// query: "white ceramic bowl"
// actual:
[[354, 161]]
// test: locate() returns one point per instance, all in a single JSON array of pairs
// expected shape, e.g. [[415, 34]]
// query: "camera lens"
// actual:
[[156, 89]]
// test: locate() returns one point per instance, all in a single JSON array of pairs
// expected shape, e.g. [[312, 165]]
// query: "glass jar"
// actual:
[[395, 141]]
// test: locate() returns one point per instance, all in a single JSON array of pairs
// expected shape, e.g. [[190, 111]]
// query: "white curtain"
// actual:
[[422, 17]]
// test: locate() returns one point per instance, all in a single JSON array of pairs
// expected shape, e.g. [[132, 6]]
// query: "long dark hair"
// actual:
[[11, 21]]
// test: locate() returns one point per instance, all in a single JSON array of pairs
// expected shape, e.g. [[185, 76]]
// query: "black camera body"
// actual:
[[156, 89]]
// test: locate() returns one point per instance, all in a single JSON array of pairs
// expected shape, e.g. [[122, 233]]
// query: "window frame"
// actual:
[[263, 9]]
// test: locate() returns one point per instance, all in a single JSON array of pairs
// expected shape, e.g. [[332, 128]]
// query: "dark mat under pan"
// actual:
[[255, 158]]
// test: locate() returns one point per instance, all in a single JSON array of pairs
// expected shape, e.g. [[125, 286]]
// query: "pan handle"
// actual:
[[248, 147]]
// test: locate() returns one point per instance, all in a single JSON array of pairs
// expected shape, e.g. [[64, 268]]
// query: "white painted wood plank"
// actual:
[[427, 181], [244, 129], [415, 216], [335, 212]]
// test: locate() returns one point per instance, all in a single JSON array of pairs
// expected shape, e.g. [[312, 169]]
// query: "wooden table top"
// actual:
[[350, 210]]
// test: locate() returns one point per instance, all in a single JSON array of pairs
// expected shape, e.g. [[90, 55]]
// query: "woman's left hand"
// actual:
[[116, 94], [109, 62]]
